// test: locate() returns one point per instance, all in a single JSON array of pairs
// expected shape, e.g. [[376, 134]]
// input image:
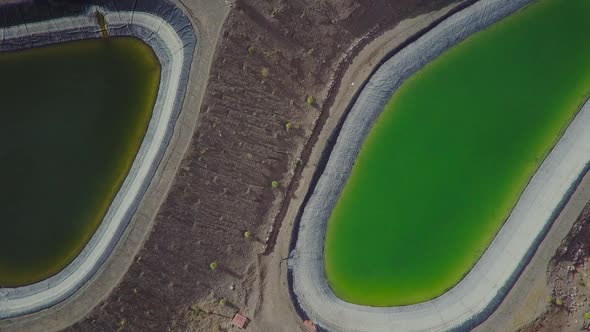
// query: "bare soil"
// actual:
[[568, 279], [255, 127]]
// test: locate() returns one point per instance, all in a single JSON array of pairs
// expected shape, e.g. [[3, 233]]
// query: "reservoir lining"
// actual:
[[170, 35]]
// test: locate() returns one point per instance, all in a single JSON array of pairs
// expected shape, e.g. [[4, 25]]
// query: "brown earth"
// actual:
[[568, 279], [255, 127]]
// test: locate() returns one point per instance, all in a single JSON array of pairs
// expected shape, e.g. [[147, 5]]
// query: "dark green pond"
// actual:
[[73, 117]]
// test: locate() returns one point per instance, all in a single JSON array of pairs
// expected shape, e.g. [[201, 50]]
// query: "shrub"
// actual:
[[275, 184], [247, 234], [558, 301], [288, 125], [264, 72], [274, 12], [587, 315], [310, 100], [213, 266], [251, 50]]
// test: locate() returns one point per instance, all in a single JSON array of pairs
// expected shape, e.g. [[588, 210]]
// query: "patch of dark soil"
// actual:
[[253, 126]]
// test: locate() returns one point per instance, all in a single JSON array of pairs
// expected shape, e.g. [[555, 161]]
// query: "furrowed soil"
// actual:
[[255, 127]]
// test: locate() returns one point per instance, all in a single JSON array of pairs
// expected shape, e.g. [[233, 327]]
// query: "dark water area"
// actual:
[[73, 117]]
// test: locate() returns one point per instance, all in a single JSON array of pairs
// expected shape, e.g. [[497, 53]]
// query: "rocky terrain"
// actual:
[[568, 276]]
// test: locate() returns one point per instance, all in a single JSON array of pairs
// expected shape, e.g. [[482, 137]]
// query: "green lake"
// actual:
[[73, 118], [448, 158]]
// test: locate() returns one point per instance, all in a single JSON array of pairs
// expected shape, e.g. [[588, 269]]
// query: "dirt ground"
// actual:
[[257, 125], [568, 279]]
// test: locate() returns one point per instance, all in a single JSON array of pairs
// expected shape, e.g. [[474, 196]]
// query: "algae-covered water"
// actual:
[[446, 161], [73, 117]]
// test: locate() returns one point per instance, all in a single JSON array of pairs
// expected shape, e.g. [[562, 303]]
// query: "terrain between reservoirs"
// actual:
[[208, 223]]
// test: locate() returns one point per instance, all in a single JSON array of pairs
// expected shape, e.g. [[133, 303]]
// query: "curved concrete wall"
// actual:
[[170, 34], [473, 299]]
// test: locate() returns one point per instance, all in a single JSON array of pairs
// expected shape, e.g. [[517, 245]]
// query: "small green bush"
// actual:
[[213, 266], [310, 100], [251, 50], [558, 301], [288, 125], [264, 72], [275, 184], [247, 234]]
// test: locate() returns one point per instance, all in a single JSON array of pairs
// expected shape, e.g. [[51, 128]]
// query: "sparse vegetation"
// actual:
[[272, 53], [549, 299], [275, 184], [587, 315], [299, 162], [558, 301], [247, 234], [264, 72], [310, 100], [251, 50], [213, 266], [274, 12], [222, 301], [288, 125]]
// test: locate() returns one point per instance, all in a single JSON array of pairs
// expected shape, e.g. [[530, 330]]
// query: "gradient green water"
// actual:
[[72, 119], [448, 158]]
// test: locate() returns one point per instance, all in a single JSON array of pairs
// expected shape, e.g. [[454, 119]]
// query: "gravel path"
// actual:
[[170, 34], [480, 292]]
